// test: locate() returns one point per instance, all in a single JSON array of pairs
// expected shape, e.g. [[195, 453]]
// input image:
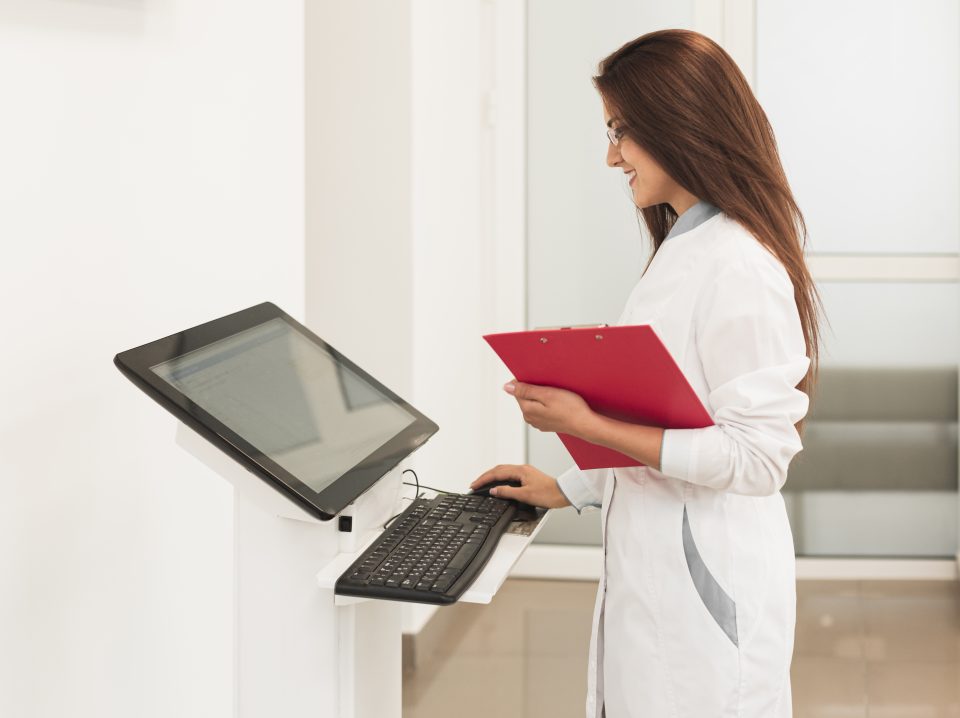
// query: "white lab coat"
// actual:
[[696, 606]]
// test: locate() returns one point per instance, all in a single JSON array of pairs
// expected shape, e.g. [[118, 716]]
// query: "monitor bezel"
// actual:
[[136, 365]]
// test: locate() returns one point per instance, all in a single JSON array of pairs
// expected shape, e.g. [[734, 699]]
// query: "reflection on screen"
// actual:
[[290, 399]]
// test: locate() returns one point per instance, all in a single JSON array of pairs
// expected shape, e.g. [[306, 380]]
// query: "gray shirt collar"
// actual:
[[695, 215]]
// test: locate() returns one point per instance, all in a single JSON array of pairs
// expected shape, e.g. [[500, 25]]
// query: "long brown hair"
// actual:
[[683, 99]]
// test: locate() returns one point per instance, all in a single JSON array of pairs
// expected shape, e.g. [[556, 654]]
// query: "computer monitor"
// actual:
[[282, 402]]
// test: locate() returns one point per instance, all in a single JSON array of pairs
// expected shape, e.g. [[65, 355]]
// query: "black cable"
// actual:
[[439, 491], [417, 479]]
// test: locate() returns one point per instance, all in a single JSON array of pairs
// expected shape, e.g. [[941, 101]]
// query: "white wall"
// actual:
[[151, 179], [358, 184], [400, 218], [399, 273], [468, 234]]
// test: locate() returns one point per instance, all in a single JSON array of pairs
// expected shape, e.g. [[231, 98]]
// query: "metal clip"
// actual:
[[574, 326]]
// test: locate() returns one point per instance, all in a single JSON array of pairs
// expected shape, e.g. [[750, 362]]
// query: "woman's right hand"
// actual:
[[537, 488]]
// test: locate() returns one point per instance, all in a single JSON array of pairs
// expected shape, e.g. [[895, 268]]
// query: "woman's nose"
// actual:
[[613, 155]]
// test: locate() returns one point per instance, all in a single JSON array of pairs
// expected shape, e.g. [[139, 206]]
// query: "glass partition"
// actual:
[[878, 473], [864, 99]]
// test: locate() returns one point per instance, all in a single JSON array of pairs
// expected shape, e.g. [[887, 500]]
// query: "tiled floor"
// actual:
[[877, 649]]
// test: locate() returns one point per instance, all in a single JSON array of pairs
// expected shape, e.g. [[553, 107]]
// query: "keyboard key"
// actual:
[[443, 584], [463, 556]]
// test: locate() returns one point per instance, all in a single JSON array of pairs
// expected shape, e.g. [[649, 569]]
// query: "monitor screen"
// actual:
[[281, 400], [289, 398]]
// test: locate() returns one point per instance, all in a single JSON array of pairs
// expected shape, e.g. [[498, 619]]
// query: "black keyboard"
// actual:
[[432, 552]]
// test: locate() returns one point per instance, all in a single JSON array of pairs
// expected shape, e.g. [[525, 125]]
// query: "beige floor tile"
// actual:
[[913, 690], [901, 589], [829, 620], [526, 616], [485, 630], [525, 654], [850, 589], [492, 686], [527, 649], [556, 594], [828, 688], [556, 686], [914, 621], [492, 631], [555, 632]]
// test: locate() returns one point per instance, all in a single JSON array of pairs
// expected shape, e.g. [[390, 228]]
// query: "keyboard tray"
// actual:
[[498, 563]]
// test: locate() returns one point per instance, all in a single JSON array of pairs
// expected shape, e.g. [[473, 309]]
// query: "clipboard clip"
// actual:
[[598, 337], [573, 326]]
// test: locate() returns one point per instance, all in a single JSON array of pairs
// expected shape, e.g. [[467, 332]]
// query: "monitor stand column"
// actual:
[[296, 653]]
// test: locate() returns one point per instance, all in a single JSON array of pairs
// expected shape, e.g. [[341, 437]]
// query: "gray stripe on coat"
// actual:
[[720, 605]]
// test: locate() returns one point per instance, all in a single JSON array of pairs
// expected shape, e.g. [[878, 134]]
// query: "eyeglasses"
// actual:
[[614, 134]]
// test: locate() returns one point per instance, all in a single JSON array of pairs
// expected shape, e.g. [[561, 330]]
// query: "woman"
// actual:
[[696, 607]]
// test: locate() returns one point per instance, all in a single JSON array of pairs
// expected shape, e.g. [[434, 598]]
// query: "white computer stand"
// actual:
[[301, 651]]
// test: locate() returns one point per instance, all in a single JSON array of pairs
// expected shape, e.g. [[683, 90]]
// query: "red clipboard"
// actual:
[[624, 372]]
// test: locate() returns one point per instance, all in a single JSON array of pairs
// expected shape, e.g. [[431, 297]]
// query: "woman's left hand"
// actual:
[[548, 408]]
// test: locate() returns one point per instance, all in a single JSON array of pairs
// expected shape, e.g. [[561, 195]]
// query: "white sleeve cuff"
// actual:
[[676, 452], [572, 484]]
